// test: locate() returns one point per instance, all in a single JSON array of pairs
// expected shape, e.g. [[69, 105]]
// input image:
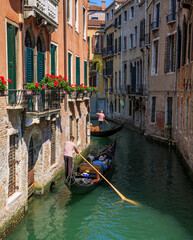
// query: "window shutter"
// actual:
[[174, 53], [85, 73], [29, 68], [167, 52], [40, 66], [69, 67], [77, 71], [184, 43], [53, 65], [93, 43], [179, 47]]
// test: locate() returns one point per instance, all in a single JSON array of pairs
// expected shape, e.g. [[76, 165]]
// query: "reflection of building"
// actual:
[[96, 21], [34, 127]]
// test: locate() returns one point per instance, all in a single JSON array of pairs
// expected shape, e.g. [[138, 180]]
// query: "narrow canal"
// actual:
[[145, 172]]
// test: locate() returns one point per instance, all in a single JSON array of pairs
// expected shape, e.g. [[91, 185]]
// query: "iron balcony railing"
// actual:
[[16, 97], [108, 51], [46, 100], [171, 18], [108, 72], [139, 90], [155, 25]]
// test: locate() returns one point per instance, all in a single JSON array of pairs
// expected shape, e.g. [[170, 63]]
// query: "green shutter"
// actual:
[[29, 69], [67, 10], [40, 66], [77, 71], [85, 73], [11, 30], [69, 67], [53, 59]]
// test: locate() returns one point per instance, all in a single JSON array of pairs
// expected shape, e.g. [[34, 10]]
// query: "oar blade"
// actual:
[[132, 202]]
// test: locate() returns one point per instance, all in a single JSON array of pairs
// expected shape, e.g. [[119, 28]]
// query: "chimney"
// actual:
[[103, 5]]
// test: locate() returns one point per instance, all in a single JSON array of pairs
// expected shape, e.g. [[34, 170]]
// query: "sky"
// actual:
[[98, 2]]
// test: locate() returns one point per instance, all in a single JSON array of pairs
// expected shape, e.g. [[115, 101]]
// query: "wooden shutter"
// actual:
[[29, 67], [93, 43], [77, 71], [11, 53], [69, 67], [53, 60], [85, 73], [167, 54], [12, 166], [53, 143], [174, 52], [40, 66]]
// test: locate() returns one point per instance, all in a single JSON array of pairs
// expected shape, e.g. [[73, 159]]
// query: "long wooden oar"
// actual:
[[121, 195], [107, 122]]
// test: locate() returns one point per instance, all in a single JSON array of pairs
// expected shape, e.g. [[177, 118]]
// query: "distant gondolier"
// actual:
[[69, 147], [101, 119]]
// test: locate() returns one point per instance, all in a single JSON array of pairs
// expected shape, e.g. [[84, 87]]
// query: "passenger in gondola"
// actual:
[[69, 147], [101, 119]]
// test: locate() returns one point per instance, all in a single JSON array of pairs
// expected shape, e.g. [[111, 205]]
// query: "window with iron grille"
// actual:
[[53, 142], [153, 105], [12, 166]]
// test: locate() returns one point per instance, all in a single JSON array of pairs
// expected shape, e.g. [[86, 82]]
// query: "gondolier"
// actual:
[[101, 119], [69, 147]]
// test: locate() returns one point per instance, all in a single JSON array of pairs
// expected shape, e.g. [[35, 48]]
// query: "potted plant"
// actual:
[[95, 89], [71, 90], [80, 90], [34, 87], [89, 91], [3, 85]]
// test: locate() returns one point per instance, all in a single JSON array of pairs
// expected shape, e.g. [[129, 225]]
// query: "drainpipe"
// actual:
[[23, 42], [177, 36]]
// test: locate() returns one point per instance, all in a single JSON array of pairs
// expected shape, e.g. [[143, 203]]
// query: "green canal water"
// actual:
[[145, 172]]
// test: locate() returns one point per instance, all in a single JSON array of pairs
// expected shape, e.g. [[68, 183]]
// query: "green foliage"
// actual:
[[99, 64], [33, 86]]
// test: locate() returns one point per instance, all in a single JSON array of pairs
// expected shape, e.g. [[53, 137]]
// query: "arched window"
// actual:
[[29, 65], [40, 60]]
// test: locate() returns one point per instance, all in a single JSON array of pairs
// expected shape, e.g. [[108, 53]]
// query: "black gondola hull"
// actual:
[[107, 133]]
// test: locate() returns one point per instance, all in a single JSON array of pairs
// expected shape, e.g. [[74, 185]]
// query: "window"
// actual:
[[53, 142], [97, 43], [107, 17], [184, 40], [125, 43], [131, 41], [85, 73], [77, 130], [189, 42], [131, 12], [115, 22], [135, 36], [71, 126], [119, 105], [119, 80], [120, 44], [120, 20], [70, 67], [157, 15], [125, 16], [115, 104], [69, 11], [153, 106], [173, 6], [181, 106], [94, 18], [177, 112], [169, 111], [29, 58], [53, 59], [88, 41], [115, 45], [155, 57], [76, 15], [12, 166], [170, 53], [125, 76], [112, 13], [115, 81], [84, 23], [77, 70]]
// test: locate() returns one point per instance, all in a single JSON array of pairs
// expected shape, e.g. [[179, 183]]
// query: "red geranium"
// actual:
[[37, 84], [9, 80]]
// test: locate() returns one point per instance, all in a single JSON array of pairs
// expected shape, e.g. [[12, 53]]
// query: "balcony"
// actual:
[[45, 12], [16, 99], [147, 39], [108, 72], [155, 25], [137, 90], [171, 18], [108, 51]]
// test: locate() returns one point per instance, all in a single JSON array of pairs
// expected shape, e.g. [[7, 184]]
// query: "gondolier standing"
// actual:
[[101, 119], [69, 147]]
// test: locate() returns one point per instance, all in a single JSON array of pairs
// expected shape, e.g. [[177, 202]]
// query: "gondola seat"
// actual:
[[85, 168]]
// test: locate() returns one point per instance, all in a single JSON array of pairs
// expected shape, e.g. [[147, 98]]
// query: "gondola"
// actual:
[[85, 178], [107, 133]]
